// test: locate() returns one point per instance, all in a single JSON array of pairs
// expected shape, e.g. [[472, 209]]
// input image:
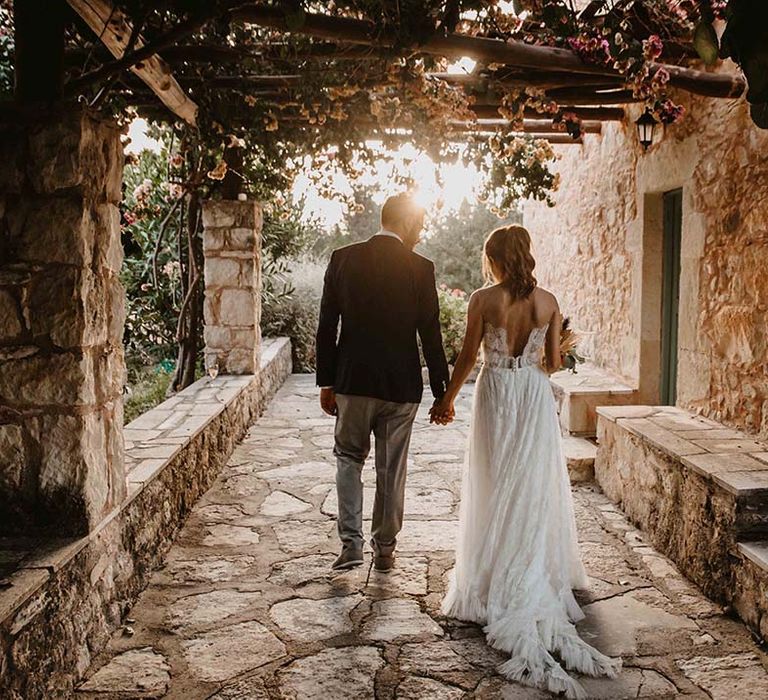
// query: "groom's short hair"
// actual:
[[400, 207]]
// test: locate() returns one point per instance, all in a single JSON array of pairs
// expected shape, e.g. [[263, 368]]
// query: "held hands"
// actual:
[[442, 412], [328, 401]]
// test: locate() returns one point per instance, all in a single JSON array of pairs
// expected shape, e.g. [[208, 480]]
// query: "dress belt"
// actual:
[[513, 363]]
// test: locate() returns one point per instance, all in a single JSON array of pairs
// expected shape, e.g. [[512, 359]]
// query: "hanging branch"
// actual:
[[160, 237]]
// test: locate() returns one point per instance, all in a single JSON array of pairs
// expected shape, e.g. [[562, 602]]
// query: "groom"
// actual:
[[369, 371]]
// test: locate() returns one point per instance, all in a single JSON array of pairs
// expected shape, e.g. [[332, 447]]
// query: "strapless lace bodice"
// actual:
[[496, 348]]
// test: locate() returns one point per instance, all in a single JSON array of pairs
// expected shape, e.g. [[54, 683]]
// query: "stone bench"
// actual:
[[579, 394], [69, 594], [700, 492]]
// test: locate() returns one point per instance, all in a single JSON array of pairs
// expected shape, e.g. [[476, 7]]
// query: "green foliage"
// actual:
[[154, 239], [153, 289], [295, 314], [705, 42], [148, 388], [517, 168], [363, 220], [455, 245], [453, 320]]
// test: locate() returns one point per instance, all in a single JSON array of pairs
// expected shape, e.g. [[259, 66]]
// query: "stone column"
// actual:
[[232, 246], [61, 325]]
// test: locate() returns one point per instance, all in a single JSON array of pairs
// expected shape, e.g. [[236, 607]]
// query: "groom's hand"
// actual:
[[328, 401], [441, 413]]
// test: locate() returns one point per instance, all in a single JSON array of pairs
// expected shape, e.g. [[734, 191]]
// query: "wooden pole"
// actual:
[[39, 50], [510, 52]]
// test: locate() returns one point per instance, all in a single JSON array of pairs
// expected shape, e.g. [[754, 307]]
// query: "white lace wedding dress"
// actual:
[[517, 557]]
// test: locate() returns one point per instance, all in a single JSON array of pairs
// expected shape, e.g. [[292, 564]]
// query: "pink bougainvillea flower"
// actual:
[[653, 47]]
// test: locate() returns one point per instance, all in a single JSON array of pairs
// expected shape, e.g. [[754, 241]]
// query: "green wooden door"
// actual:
[[670, 298]]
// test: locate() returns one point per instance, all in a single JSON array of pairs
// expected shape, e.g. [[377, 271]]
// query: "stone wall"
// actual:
[[599, 250], [67, 597], [232, 245], [61, 324], [684, 514]]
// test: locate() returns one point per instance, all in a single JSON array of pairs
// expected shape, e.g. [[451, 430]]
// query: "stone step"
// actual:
[[580, 456], [579, 394], [751, 582]]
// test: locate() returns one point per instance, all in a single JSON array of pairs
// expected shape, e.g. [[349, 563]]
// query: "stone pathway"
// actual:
[[246, 607]]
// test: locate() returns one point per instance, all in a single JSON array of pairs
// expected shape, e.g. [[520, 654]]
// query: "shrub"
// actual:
[[453, 320], [295, 313], [147, 388]]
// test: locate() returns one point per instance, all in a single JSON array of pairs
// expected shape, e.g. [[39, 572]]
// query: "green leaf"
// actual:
[[705, 43], [518, 6]]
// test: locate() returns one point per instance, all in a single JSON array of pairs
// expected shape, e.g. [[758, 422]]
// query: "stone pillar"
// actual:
[[232, 246], [62, 310]]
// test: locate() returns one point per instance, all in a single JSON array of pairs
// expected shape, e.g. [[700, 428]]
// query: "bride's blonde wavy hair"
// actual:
[[507, 260]]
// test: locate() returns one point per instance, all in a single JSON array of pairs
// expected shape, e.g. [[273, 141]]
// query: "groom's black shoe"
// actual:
[[349, 558], [384, 563]]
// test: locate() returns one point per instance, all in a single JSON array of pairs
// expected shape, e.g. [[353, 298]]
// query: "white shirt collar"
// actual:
[[390, 234]]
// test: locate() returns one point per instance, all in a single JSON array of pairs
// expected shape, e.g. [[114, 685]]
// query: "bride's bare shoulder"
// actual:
[[545, 298]]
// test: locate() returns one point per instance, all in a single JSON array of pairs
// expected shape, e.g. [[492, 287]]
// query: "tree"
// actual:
[[456, 245]]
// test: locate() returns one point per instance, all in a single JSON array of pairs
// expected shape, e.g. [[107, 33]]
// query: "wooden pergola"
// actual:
[[593, 93]]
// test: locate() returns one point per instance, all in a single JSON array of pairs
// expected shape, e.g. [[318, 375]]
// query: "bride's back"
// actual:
[[518, 317]]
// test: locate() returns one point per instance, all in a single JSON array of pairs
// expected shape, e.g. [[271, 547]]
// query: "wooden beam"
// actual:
[[582, 96], [39, 50], [541, 126], [114, 30], [510, 52], [592, 113]]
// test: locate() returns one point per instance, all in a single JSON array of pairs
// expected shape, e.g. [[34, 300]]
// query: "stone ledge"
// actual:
[[734, 460], [696, 488], [579, 394], [69, 594]]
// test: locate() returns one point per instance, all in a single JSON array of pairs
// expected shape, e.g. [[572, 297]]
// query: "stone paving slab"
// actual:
[[246, 607]]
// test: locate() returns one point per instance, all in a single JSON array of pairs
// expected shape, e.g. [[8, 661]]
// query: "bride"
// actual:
[[517, 557]]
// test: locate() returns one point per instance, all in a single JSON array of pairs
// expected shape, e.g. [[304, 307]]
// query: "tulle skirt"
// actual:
[[517, 557]]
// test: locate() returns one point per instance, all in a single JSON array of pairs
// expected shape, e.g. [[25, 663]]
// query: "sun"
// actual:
[[439, 187]]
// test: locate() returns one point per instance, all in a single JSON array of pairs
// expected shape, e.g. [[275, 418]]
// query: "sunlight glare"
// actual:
[[463, 65], [138, 140]]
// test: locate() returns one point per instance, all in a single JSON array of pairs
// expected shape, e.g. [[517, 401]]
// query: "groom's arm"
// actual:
[[328, 329], [430, 334]]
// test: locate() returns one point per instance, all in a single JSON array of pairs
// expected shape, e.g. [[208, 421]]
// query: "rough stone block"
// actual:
[[231, 214], [687, 515], [241, 361], [61, 226], [12, 457], [65, 379], [56, 230], [222, 272], [242, 239], [109, 248], [217, 337], [214, 240], [237, 307], [10, 321], [81, 475], [77, 149]]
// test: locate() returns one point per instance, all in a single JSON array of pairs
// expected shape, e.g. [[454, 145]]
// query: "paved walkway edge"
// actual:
[[67, 596]]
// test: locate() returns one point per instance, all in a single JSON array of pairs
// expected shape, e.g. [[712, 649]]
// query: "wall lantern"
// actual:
[[645, 127]]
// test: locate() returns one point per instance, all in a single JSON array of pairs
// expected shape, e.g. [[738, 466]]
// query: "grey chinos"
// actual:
[[391, 424]]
